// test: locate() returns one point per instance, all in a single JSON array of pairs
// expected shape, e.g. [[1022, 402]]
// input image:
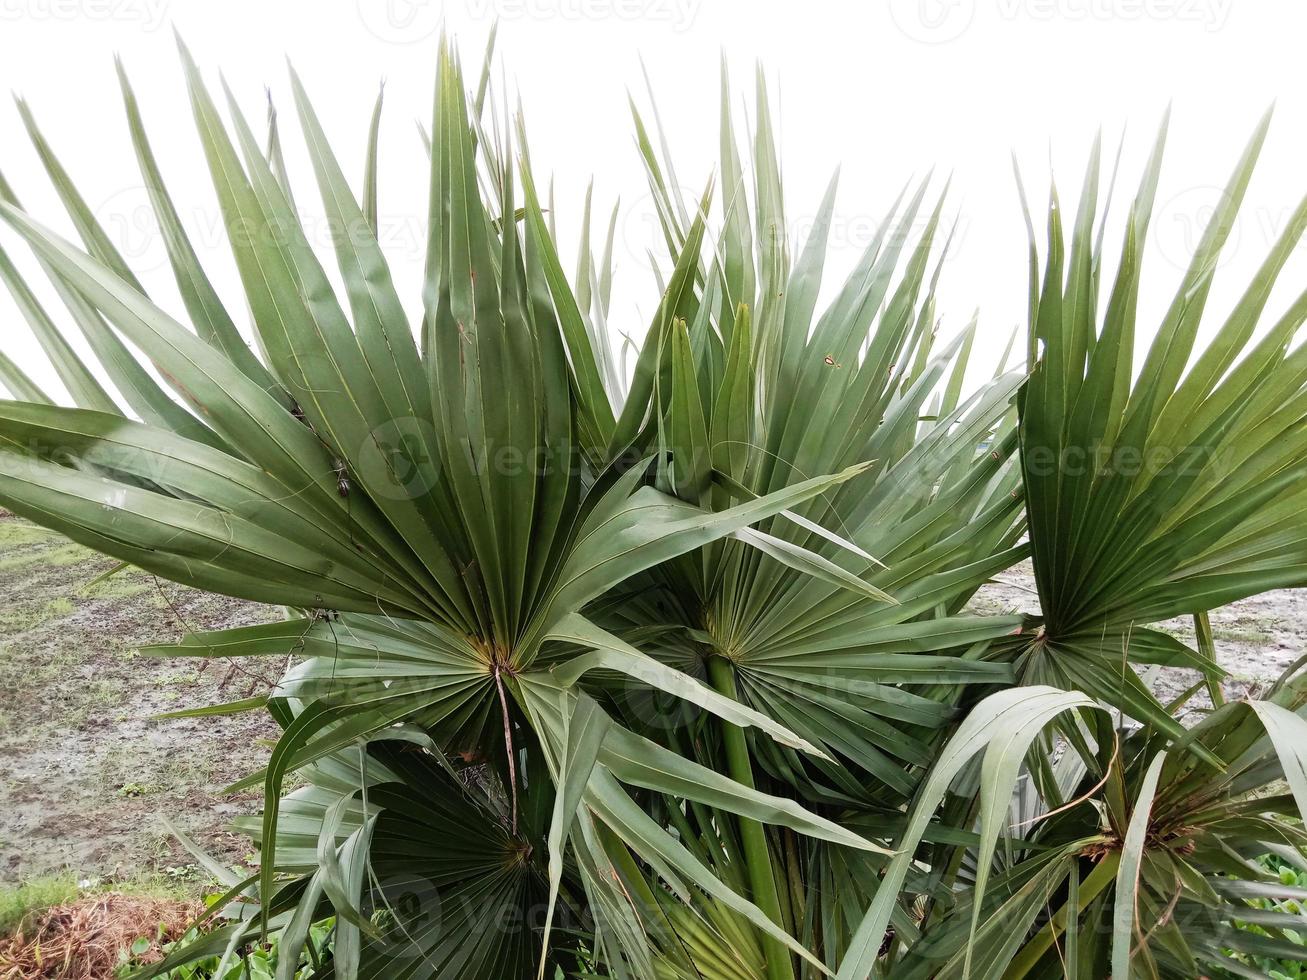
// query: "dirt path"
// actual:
[[84, 771]]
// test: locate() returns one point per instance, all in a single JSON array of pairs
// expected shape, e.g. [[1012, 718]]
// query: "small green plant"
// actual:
[[1291, 902], [258, 961]]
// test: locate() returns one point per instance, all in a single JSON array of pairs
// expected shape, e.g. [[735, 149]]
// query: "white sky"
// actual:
[[886, 91]]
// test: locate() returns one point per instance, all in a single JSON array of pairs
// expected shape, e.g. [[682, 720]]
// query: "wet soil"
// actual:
[[86, 772]]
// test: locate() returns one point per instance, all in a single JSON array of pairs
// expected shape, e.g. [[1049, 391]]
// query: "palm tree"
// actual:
[[673, 673]]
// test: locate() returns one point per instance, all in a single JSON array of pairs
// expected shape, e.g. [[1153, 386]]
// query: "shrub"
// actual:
[[262, 962], [670, 673]]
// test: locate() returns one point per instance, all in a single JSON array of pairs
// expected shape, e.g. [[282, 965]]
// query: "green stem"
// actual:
[[753, 838], [794, 883], [1207, 647], [1104, 873]]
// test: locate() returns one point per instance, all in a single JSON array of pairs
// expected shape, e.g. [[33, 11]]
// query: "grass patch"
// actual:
[[107, 928], [36, 895], [1250, 637]]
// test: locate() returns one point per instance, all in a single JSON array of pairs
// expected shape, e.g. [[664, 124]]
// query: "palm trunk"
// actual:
[[753, 838]]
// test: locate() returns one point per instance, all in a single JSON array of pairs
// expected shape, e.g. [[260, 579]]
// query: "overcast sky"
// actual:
[[885, 91]]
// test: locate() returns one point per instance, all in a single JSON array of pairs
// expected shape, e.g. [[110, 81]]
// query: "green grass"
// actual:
[[37, 894], [33, 896], [1251, 637]]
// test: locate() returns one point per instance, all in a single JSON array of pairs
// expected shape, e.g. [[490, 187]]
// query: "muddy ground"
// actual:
[[1256, 639], [85, 773]]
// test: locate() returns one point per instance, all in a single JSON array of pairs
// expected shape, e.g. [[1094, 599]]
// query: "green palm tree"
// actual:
[[673, 673]]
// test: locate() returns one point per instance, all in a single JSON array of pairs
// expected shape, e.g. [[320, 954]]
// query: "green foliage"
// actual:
[[33, 895], [671, 673], [262, 962], [1291, 876]]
